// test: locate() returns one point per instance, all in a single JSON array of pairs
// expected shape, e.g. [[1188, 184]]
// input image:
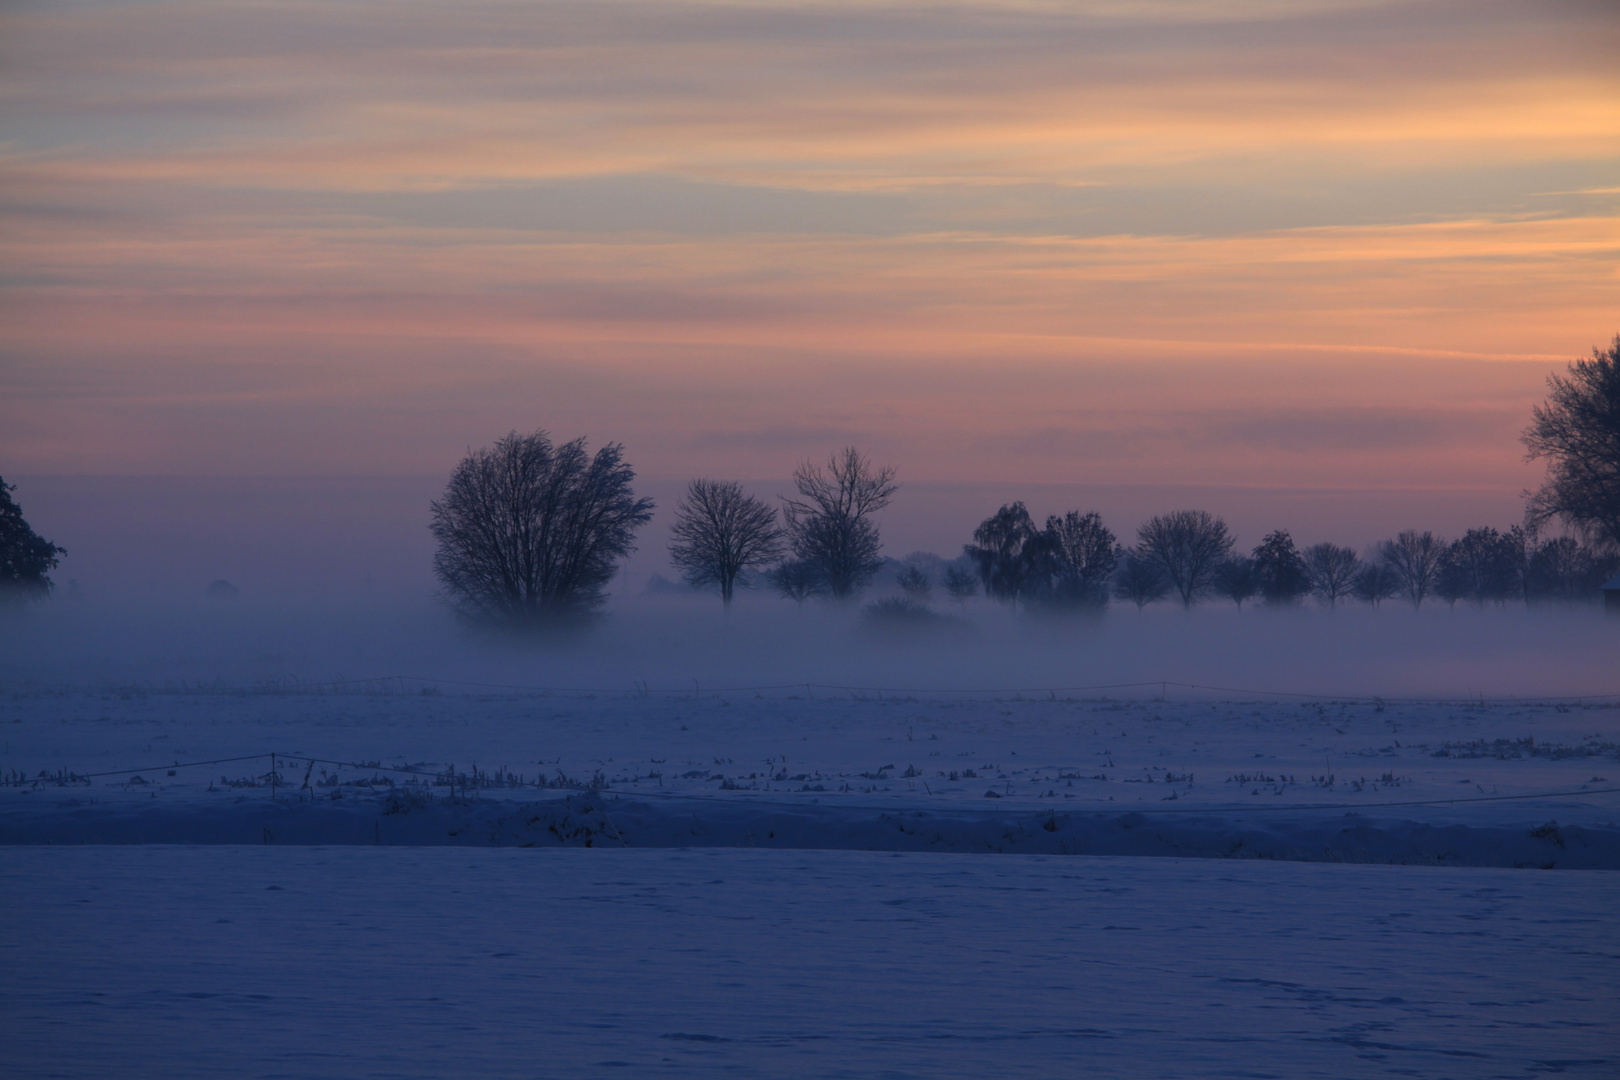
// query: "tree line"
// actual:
[[530, 533], [1189, 556]]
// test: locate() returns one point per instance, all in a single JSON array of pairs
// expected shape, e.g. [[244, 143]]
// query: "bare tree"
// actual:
[[1332, 571], [721, 531], [1484, 565], [1081, 557], [829, 525], [529, 532], [1187, 547], [798, 580], [1375, 582], [1578, 431], [1415, 558], [961, 584], [1237, 579], [1139, 581], [1562, 568]]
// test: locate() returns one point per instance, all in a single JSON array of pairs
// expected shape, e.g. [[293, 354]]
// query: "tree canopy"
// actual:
[[26, 558], [1577, 431], [829, 524], [529, 532]]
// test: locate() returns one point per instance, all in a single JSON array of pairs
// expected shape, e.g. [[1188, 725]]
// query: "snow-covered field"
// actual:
[[807, 881], [413, 962], [1531, 785]]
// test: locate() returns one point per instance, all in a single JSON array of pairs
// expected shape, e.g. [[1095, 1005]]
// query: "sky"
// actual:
[[1328, 246]]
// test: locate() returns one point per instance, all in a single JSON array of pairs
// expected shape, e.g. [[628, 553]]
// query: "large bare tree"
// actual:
[[530, 533], [721, 531], [1578, 432], [829, 524], [1188, 547]]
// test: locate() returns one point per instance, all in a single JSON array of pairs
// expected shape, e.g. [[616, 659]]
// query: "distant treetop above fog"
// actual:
[[26, 558]]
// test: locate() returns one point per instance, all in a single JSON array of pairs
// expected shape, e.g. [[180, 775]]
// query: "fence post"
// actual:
[[272, 778]]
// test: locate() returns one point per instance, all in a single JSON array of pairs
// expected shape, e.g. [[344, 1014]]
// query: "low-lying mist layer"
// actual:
[[681, 643]]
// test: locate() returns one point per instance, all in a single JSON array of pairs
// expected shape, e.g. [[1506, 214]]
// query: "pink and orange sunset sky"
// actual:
[[1334, 244]]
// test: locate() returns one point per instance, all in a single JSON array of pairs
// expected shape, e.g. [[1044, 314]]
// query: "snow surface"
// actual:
[[411, 962], [931, 916], [1462, 784]]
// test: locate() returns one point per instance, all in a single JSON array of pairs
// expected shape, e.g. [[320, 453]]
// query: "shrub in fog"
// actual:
[[1139, 580], [1187, 546], [1577, 431], [797, 580], [720, 533], [1415, 559], [961, 585], [1236, 579], [531, 533], [829, 524], [901, 611], [1279, 570], [26, 558]]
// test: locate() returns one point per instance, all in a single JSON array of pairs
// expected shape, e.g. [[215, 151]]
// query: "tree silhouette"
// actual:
[[1187, 547], [915, 583], [1415, 560], [1081, 555], [1578, 432], [1139, 581], [1375, 582], [961, 585], [1007, 551], [1332, 571], [1279, 570], [721, 531], [798, 580], [26, 558], [1237, 579], [530, 533], [829, 525]]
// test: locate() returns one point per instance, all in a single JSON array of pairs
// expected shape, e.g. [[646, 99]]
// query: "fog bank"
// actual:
[[684, 642]]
